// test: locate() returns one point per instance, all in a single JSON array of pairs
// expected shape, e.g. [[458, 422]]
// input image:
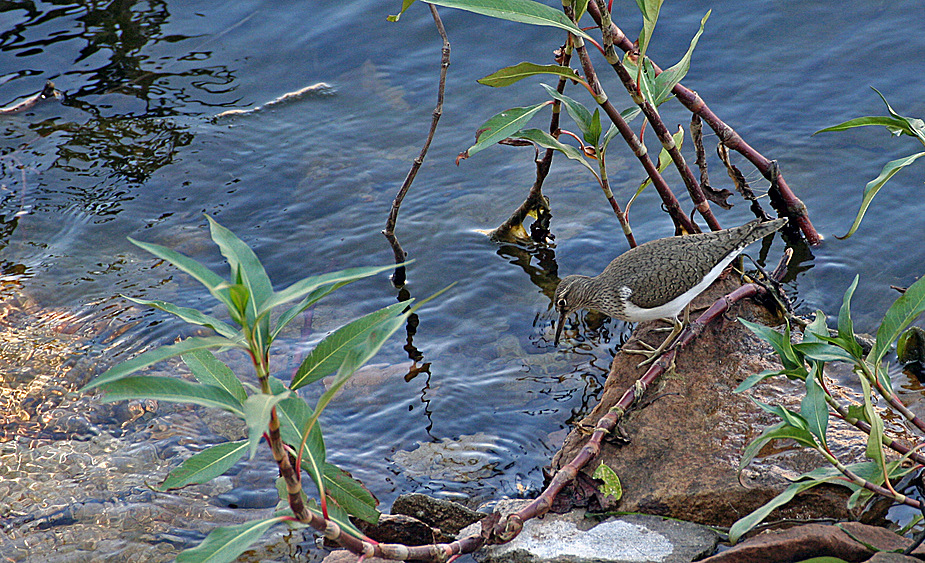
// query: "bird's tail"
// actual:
[[757, 230]]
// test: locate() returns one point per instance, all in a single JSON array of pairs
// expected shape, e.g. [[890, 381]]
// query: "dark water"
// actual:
[[133, 151]]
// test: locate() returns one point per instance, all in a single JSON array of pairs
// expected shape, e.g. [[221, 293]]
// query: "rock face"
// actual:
[[576, 538], [687, 439]]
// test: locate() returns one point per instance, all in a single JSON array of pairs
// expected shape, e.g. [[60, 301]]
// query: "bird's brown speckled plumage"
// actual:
[[657, 272]]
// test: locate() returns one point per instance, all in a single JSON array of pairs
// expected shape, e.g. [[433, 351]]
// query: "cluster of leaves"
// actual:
[[897, 125], [258, 314], [509, 124], [806, 361]]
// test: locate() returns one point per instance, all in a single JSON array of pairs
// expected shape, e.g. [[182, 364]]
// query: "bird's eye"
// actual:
[[561, 303]]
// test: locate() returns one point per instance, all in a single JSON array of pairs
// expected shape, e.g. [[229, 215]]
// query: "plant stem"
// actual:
[[398, 276], [783, 198]]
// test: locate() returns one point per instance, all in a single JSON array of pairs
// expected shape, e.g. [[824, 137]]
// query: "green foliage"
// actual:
[[806, 361], [509, 75], [897, 125], [521, 11], [250, 302], [612, 486], [501, 126]]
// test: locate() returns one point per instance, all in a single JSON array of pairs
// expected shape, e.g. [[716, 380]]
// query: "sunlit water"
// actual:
[[133, 151]]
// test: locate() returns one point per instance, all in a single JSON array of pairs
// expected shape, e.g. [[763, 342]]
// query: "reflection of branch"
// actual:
[[398, 277], [782, 198]]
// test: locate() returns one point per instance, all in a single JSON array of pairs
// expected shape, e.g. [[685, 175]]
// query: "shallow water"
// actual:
[[133, 151]]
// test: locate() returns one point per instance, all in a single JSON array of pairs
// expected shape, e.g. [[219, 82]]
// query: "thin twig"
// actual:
[[398, 276]]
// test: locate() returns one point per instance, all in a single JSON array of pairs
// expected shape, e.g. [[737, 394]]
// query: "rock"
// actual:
[[398, 528], [450, 517], [576, 538], [851, 541], [344, 556], [887, 557], [687, 441]]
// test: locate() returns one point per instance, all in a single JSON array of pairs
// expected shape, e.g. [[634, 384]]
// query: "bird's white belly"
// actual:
[[676, 305]]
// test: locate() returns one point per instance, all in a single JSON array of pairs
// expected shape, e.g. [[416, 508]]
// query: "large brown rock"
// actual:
[[686, 444]]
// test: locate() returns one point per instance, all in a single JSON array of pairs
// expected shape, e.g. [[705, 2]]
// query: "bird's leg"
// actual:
[[653, 353]]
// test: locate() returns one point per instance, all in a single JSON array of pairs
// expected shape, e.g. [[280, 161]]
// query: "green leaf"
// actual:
[[667, 80], [894, 125], [293, 414], [158, 354], [780, 343], [813, 407], [757, 378], [404, 6], [314, 288], [225, 544], [206, 368], [779, 431], [914, 127], [329, 354], [172, 390], [205, 466], [743, 525], [192, 316], [243, 262], [500, 126], [547, 141], [793, 419], [823, 352], [212, 281], [889, 169], [650, 10], [611, 486], [521, 11], [356, 357], [901, 313], [350, 494], [875, 439], [511, 74], [578, 112], [257, 411], [612, 132], [816, 328], [846, 325]]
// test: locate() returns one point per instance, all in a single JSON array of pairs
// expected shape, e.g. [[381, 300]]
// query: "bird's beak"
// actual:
[[559, 326]]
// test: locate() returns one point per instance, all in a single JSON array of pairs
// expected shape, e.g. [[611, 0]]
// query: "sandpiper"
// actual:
[[658, 279]]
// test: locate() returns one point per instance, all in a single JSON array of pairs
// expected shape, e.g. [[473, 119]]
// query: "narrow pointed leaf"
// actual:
[[257, 411], [650, 10], [667, 80], [793, 419], [212, 281], [521, 11], [823, 352], [205, 466], [511, 74], [845, 324], [889, 170], [500, 126], [172, 390], [891, 123], [350, 494], [575, 109], [309, 300], [757, 378], [304, 287], [192, 316], [242, 260], [780, 343], [914, 127], [664, 159], [743, 525], [356, 357], [225, 544], [329, 354], [547, 141], [150, 357], [779, 431], [404, 6], [813, 407], [901, 313], [206, 368], [816, 328]]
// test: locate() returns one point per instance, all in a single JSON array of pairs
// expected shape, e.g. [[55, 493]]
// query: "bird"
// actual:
[[658, 279]]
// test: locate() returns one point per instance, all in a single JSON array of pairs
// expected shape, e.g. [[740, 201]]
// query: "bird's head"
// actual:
[[571, 294]]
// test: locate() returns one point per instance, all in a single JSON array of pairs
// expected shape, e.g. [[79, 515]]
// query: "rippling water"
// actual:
[[134, 151]]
